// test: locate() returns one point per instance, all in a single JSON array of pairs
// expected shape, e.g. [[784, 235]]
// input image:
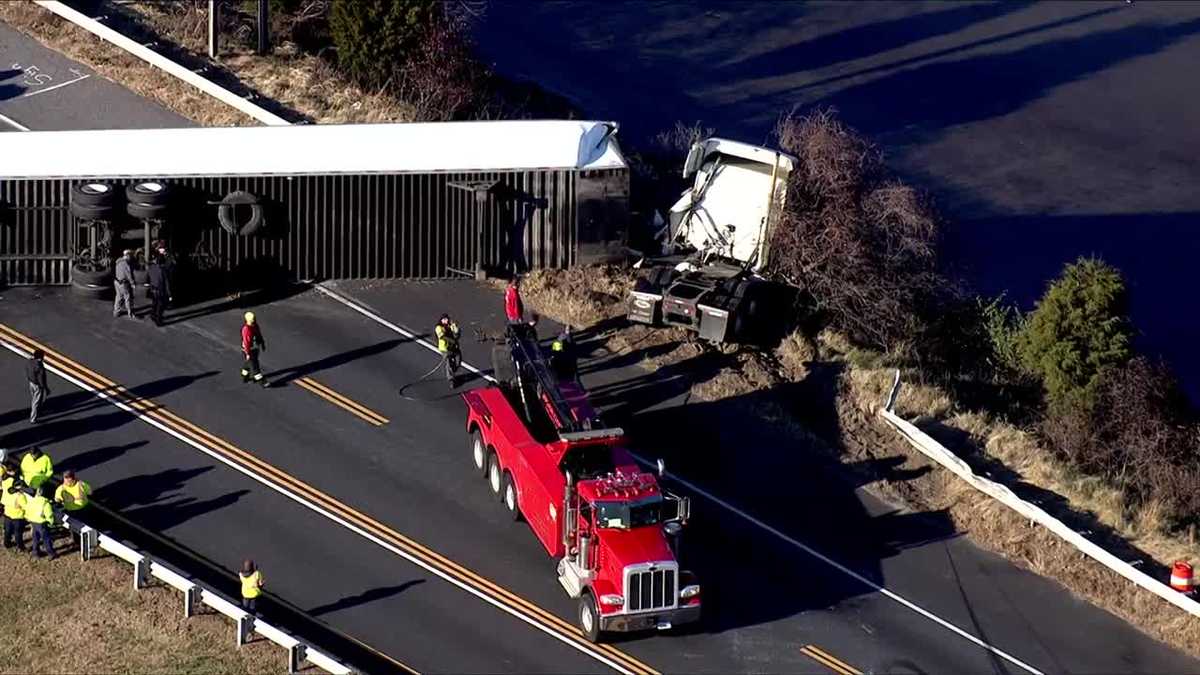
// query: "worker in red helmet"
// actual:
[[514, 309], [252, 343]]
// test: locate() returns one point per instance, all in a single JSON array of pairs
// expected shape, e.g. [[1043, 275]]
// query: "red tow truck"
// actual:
[[552, 462]]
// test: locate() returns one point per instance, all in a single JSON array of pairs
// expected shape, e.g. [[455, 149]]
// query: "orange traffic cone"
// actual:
[[1181, 577]]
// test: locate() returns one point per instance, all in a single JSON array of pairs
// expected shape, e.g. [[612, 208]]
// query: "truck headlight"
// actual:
[[689, 591], [612, 600]]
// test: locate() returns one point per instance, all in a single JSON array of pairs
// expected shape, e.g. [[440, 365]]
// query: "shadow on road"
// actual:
[[286, 375], [365, 597]]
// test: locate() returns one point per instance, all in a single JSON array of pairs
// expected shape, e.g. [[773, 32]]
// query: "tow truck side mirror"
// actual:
[[685, 509], [661, 466]]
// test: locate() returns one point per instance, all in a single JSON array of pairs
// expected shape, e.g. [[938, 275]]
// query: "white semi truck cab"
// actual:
[[716, 244]]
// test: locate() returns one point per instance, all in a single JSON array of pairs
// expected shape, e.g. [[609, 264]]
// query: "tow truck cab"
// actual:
[[621, 535]]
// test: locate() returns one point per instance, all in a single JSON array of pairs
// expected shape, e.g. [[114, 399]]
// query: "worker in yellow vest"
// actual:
[[447, 333], [13, 500], [252, 583], [36, 467], [74, 495], [39, 514]]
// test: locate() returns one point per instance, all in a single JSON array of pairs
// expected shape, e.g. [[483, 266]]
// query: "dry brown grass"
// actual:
[[67, 616], [118, 65], [301, 82], [585, 296]]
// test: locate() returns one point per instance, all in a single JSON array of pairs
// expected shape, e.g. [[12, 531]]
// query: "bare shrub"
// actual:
[[862, 244], [441, 79], [677, 140], [1137, 435]]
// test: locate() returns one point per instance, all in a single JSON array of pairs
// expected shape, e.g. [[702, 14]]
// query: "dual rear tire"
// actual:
[[500, 481]]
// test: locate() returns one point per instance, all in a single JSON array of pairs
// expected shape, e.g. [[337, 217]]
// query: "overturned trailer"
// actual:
[[315, 201]]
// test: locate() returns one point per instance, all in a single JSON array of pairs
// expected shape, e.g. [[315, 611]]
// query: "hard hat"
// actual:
[[445, 317], [249, 316]]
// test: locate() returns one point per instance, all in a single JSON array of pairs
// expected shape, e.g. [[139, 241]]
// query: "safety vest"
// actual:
[[36, 471], [446, 336], [73, 497], [251, 584], [13, 500], [37, 510]]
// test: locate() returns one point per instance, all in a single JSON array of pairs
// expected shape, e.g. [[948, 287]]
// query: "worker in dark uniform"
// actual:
[[562, 355], [160, 288], [35, 372], [252, 343], [447, 334]]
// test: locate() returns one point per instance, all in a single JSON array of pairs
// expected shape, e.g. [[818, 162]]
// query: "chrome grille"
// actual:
[[650, 587]]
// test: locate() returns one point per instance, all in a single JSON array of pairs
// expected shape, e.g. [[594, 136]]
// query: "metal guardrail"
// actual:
[[146, 568], [155, 59], [929, 447]]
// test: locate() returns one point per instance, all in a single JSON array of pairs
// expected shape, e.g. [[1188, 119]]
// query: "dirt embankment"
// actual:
[[850, 384]]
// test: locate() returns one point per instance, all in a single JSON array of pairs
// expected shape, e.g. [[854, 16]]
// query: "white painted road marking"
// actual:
[[352, 304], [60, 85], [13, 123]]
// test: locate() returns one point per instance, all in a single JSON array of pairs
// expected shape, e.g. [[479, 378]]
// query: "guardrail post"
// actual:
[[88, 540], [190, 597], [141, 573], [245, 625], [295, 658]]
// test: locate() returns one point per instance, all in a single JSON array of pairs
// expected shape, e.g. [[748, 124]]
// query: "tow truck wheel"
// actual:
[[479, 452], [493, 473], [589, 618], [509, 497]]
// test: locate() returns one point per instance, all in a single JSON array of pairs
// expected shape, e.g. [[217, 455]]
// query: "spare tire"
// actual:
[[89, 212], [150, 193], [227, 213], [93, 193]]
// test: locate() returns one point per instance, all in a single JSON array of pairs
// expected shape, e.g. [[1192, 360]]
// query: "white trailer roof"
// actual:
[[312, 149]]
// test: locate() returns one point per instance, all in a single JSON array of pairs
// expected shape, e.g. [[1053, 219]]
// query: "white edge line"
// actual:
[[35, 92], [337, 519], [15, 124], [732, 509]]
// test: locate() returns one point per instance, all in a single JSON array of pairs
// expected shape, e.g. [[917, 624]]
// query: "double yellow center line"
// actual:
[[829, 660], [334, 509], [354, 408]]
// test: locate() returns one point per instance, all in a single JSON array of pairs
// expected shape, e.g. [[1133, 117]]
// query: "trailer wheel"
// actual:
[[589, 618], [150, 193], [147, 211], [493, 474], [93, 193], [88, 274], [91, 290], [479, 452], [509, 497], [89, 212]]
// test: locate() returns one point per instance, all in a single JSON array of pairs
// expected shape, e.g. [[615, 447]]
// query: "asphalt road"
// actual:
[[766, 597], [43, 90], [1046, 131]]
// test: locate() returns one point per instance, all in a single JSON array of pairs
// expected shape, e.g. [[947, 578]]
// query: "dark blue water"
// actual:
[[1045, 131]]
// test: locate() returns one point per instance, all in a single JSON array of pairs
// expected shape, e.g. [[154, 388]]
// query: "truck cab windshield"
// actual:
[[628, 515]]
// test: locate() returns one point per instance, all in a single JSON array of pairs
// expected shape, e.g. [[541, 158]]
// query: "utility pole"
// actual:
[[264, 28], [214, 28]]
